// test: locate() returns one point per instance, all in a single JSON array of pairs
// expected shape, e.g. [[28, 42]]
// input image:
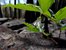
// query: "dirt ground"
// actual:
[[14, 36]]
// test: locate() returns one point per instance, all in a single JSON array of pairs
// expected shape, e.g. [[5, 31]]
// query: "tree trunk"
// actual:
[[56, 5], [1, 12], [62, 3], [11, 12], [30, 16], [6, 11], [15, 10], [19, 11]]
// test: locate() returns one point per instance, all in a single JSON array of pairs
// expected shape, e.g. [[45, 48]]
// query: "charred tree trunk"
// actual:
[[15, 10], [19, 11], [55, 7], [11, 13], [58, 5], [37, 14], [5, 11], [62, 3], [30, 16], [1, 12]]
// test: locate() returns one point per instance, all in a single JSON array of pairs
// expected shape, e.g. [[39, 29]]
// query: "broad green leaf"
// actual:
[[61, 14], [30, 27], [63, 28], [45, 4], [8, 5], [29, 7], [47, 13]]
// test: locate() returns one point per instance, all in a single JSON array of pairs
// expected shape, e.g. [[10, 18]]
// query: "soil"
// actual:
[[13, 35]]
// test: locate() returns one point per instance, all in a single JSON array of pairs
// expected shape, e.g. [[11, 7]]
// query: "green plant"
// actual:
[[31, 28], [43, 7], [35, 28]]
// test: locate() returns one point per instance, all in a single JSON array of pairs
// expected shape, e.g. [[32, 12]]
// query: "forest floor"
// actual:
[[13, 34]]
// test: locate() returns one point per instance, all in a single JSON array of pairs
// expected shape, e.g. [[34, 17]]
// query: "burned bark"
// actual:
[[31, 16]]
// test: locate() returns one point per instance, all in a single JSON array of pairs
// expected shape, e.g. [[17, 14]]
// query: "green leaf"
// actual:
[[47, 13], [45, 4], [30, 27], [63, 28], [61, 14], [8, 5], [29, 7]]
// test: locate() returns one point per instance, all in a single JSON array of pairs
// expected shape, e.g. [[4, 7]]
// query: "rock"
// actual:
[[14, 24], [7, 36], [63, 35], [56, 33], [3, 20], [23, 30], [16, 27], [63, 21]]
